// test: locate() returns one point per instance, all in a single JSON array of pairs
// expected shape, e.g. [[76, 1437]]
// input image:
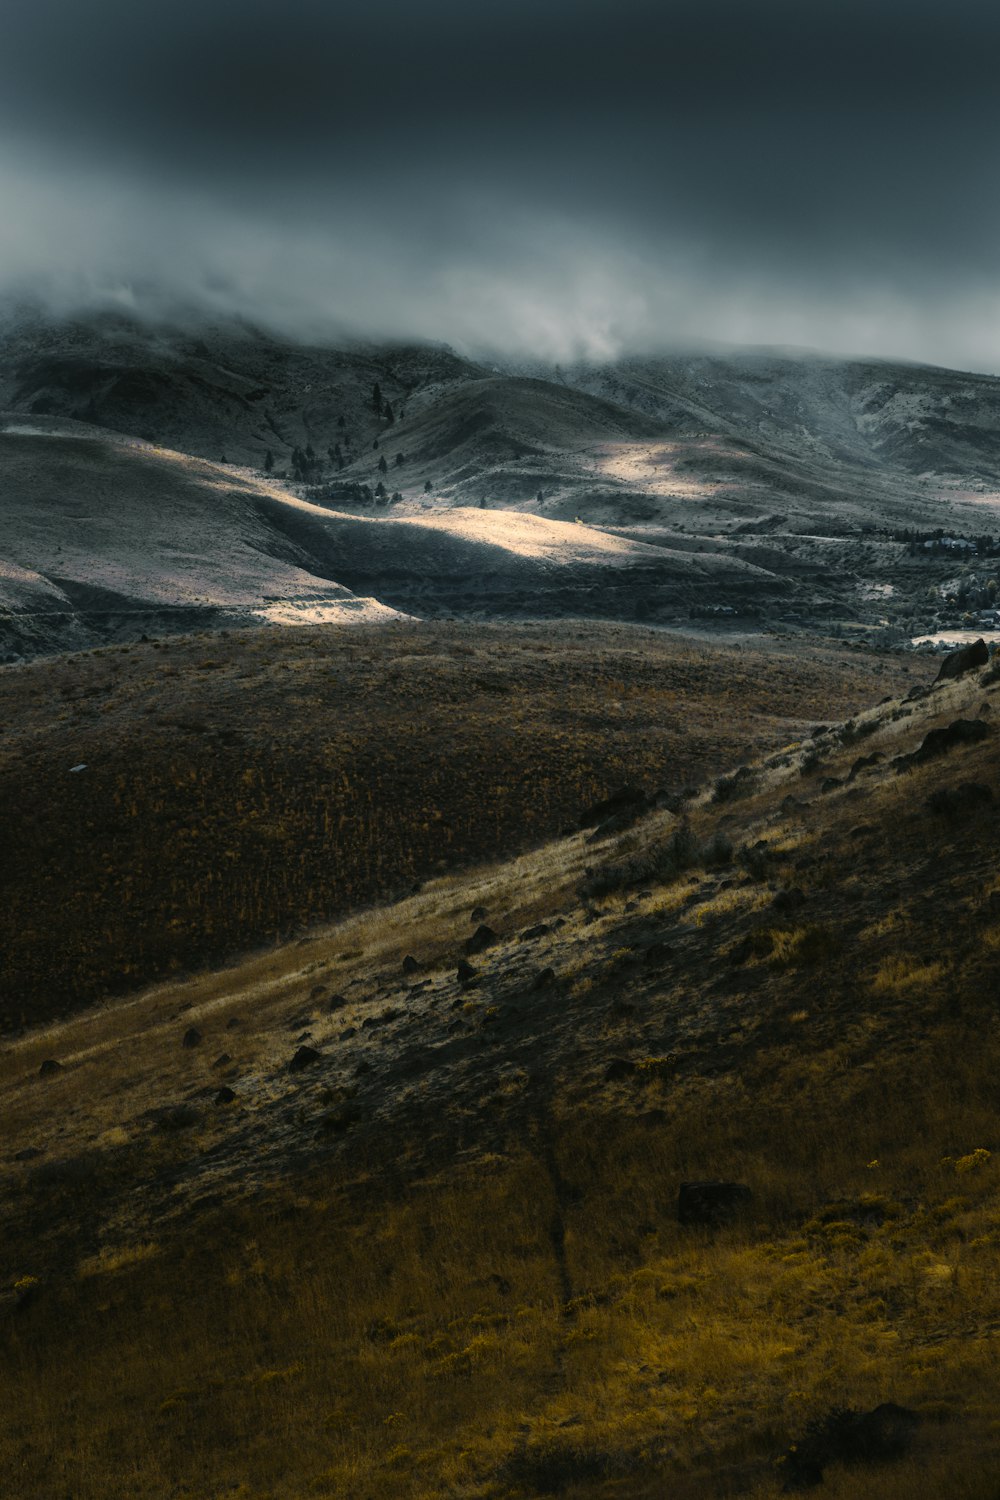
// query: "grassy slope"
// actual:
[[242, 788], [469, 1280]]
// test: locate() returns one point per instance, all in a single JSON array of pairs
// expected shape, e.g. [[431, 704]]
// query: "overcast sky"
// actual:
[[547, 176]]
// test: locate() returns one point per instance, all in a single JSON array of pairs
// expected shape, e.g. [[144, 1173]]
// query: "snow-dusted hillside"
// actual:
[[103, 535]]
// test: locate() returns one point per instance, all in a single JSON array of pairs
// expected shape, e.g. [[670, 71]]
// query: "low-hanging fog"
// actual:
[[565, 178]]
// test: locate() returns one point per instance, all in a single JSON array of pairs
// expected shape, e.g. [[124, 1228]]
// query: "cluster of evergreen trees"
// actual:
[[307, 467]]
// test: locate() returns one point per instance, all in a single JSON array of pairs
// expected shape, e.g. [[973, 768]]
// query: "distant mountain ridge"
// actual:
[[299, 477]]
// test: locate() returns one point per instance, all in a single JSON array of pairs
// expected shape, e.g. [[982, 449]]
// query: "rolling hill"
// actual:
[[106, 537]]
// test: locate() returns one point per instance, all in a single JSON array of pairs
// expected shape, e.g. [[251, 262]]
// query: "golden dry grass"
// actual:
[[489, 1296]]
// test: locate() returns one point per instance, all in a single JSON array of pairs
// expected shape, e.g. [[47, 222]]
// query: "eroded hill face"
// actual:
[[420, 1173]]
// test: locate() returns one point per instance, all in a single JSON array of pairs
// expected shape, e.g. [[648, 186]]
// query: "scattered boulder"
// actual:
[[711, 1203], [304, 1058], [224, 1096], [956, 663], [484, 937], [222, 1060], [849, 1437], [531, 933], [335, 1002], [233, 1023], [629, 800], [830, 784], [619, 1068], [176, 1117], [411, 965], [339, 1120], [477, 914], [940, 741], [192, 1037], [49, 1068], [788, 901], [317, 992], [465, 973], [543, 979], [657, 954], [864, 763], [741, 783], [960, 801]]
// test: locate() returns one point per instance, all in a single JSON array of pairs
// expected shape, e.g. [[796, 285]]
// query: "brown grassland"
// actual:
[[240, 788], [444, 1259]]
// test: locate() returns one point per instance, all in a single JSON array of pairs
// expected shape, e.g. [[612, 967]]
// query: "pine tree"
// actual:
[[377, 399], [387, 413], [400, 460], [268, 461], [427, 486], [383, 467]]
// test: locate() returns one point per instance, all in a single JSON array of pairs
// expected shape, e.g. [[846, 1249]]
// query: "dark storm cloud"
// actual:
[[571, 173]]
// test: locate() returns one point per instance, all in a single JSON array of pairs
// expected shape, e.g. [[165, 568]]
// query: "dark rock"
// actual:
[[347, 1033], [543, 979], [297, 1022], [830, 784], [712, 1203], [864, 763], [372, 1023], [484, 937], [411, 965], [176, 1117], [630, 800], [916, 693], [956, 663], [849, 1437], [335, 1002], [224, 1096], [304, 1058], [940, 741], [618, 1068], [657, 954], [339, 1120], [960, 801], [786, 902], [192, 1037], [29, 1153], [531, 933], [233, 1023], [222, 1059], [477, 914], [465, 973], [49, 1067], [317, 992]]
